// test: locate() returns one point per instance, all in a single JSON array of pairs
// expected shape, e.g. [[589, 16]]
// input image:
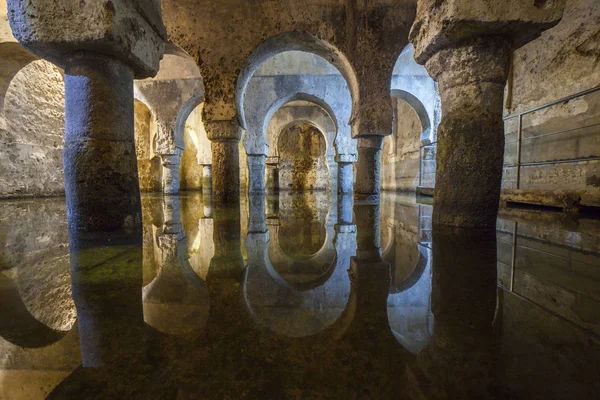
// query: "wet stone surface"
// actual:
[[290, 297]]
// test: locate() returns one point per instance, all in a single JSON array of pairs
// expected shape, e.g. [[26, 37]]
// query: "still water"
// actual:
[[298, 297]]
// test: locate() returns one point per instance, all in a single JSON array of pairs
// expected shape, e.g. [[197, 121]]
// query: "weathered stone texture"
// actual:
[[31, 132], [149, 164], [101, 180], [471, 135], [369, 36], [35, 256], [122, 29], [442, 24], [563, 61], [400, 155], [302, 165]]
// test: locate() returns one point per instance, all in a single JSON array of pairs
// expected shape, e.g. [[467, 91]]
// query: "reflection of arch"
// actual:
[[294, 41], [17, 325], [419, 108], [324, 256], [176, 301], [409, 306], [294, 311]]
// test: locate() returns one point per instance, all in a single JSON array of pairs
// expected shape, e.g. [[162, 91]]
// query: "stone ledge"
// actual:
[[569, 200]]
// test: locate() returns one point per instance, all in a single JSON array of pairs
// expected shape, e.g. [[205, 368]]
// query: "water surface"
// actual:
[[298, 297]]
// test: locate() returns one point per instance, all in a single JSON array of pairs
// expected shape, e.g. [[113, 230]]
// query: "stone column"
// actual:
[[466, 46], [171, 103], [272, 179], [207, 178], [256, 173], [345, 178], [470, 147], [170, 176], [368, 167], [100, 165], [99, 159], [225, 137]]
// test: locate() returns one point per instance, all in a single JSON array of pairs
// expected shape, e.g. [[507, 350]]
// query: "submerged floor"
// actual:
[[298, 297]]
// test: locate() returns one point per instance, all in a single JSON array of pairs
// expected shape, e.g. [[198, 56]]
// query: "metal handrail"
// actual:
[[520, 139]]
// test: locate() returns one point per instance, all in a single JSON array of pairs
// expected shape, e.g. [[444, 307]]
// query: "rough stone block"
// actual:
[[440, 23], [131, 31]]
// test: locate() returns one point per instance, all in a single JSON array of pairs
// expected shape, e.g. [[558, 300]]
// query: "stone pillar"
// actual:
[[100, 165], [256, 173], [470, 147], [171, 104], [225, 137], [207, 178], [368, 167], [99, 159], [170, 176], [466, 46], [272, 179], [345, 178]]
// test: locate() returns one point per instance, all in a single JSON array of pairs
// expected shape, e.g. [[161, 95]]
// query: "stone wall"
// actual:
[[197, 151], [400, 157], [31, 125], [564, 61], [149, 164], [302, 164]]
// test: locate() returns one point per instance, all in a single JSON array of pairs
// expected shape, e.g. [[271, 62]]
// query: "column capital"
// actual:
[[223, 131], [370, 142], [130, 31], [346, 158], [444, 24]]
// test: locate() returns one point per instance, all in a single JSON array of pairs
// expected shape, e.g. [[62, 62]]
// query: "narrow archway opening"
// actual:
[[408, 160], [302, 162]]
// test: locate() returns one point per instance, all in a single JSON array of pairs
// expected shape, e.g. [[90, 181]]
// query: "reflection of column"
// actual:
[[227, 261], [370, 274], [175, 301], [464, 303], [226, 271], [207, 203], [106, 278], [272, 208], [368, 167], [272, 179], [345, 230], [206, 178], [170, 176], [256, 172], [257, 221], [225, 137]]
